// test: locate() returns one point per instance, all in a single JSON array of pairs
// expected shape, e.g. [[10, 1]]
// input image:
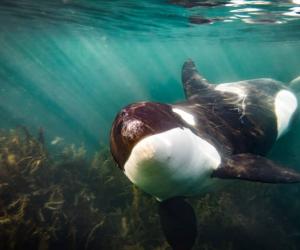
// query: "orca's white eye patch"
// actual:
[[187, 117]]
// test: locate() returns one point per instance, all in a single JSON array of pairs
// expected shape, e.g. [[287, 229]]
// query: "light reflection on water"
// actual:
[[170, 18]]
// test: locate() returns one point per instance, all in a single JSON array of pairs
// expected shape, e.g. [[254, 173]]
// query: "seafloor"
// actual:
[[63, 199]]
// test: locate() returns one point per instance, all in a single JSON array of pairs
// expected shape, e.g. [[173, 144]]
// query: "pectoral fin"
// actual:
[[255, 168], [178, 222]]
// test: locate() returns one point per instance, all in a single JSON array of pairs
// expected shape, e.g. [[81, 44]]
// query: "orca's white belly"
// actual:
[[172, 163]]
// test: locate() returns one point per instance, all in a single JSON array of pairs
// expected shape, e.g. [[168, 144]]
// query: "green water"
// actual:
[[69, 66]]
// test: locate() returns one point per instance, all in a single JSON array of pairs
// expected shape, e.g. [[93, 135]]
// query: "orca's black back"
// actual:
[[234, 124]]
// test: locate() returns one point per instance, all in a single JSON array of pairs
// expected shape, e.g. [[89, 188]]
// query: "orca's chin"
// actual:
[[172, 163]]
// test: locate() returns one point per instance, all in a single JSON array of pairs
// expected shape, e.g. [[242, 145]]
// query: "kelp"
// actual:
[[67, 201], [61, 199]]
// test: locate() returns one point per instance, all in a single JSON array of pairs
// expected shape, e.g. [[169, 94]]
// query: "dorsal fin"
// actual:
[[192, 81]]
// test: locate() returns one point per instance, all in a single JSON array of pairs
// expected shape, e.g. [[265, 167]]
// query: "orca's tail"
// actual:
[[179, 224]]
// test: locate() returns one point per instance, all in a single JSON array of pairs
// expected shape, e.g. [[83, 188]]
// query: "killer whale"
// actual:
[[221, 131]]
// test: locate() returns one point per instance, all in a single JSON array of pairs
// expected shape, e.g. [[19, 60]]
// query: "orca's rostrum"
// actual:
[[173, 151]]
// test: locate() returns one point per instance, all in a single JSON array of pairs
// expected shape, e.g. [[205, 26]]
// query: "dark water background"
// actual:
[[69, 66]]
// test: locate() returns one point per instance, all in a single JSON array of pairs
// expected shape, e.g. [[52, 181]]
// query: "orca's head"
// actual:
[[136, 122], [158, 151]]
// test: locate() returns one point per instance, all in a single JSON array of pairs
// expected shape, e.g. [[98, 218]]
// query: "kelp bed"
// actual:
[[61, 199]]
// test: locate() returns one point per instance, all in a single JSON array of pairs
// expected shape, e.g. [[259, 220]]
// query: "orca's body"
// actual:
[[224, 130]]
